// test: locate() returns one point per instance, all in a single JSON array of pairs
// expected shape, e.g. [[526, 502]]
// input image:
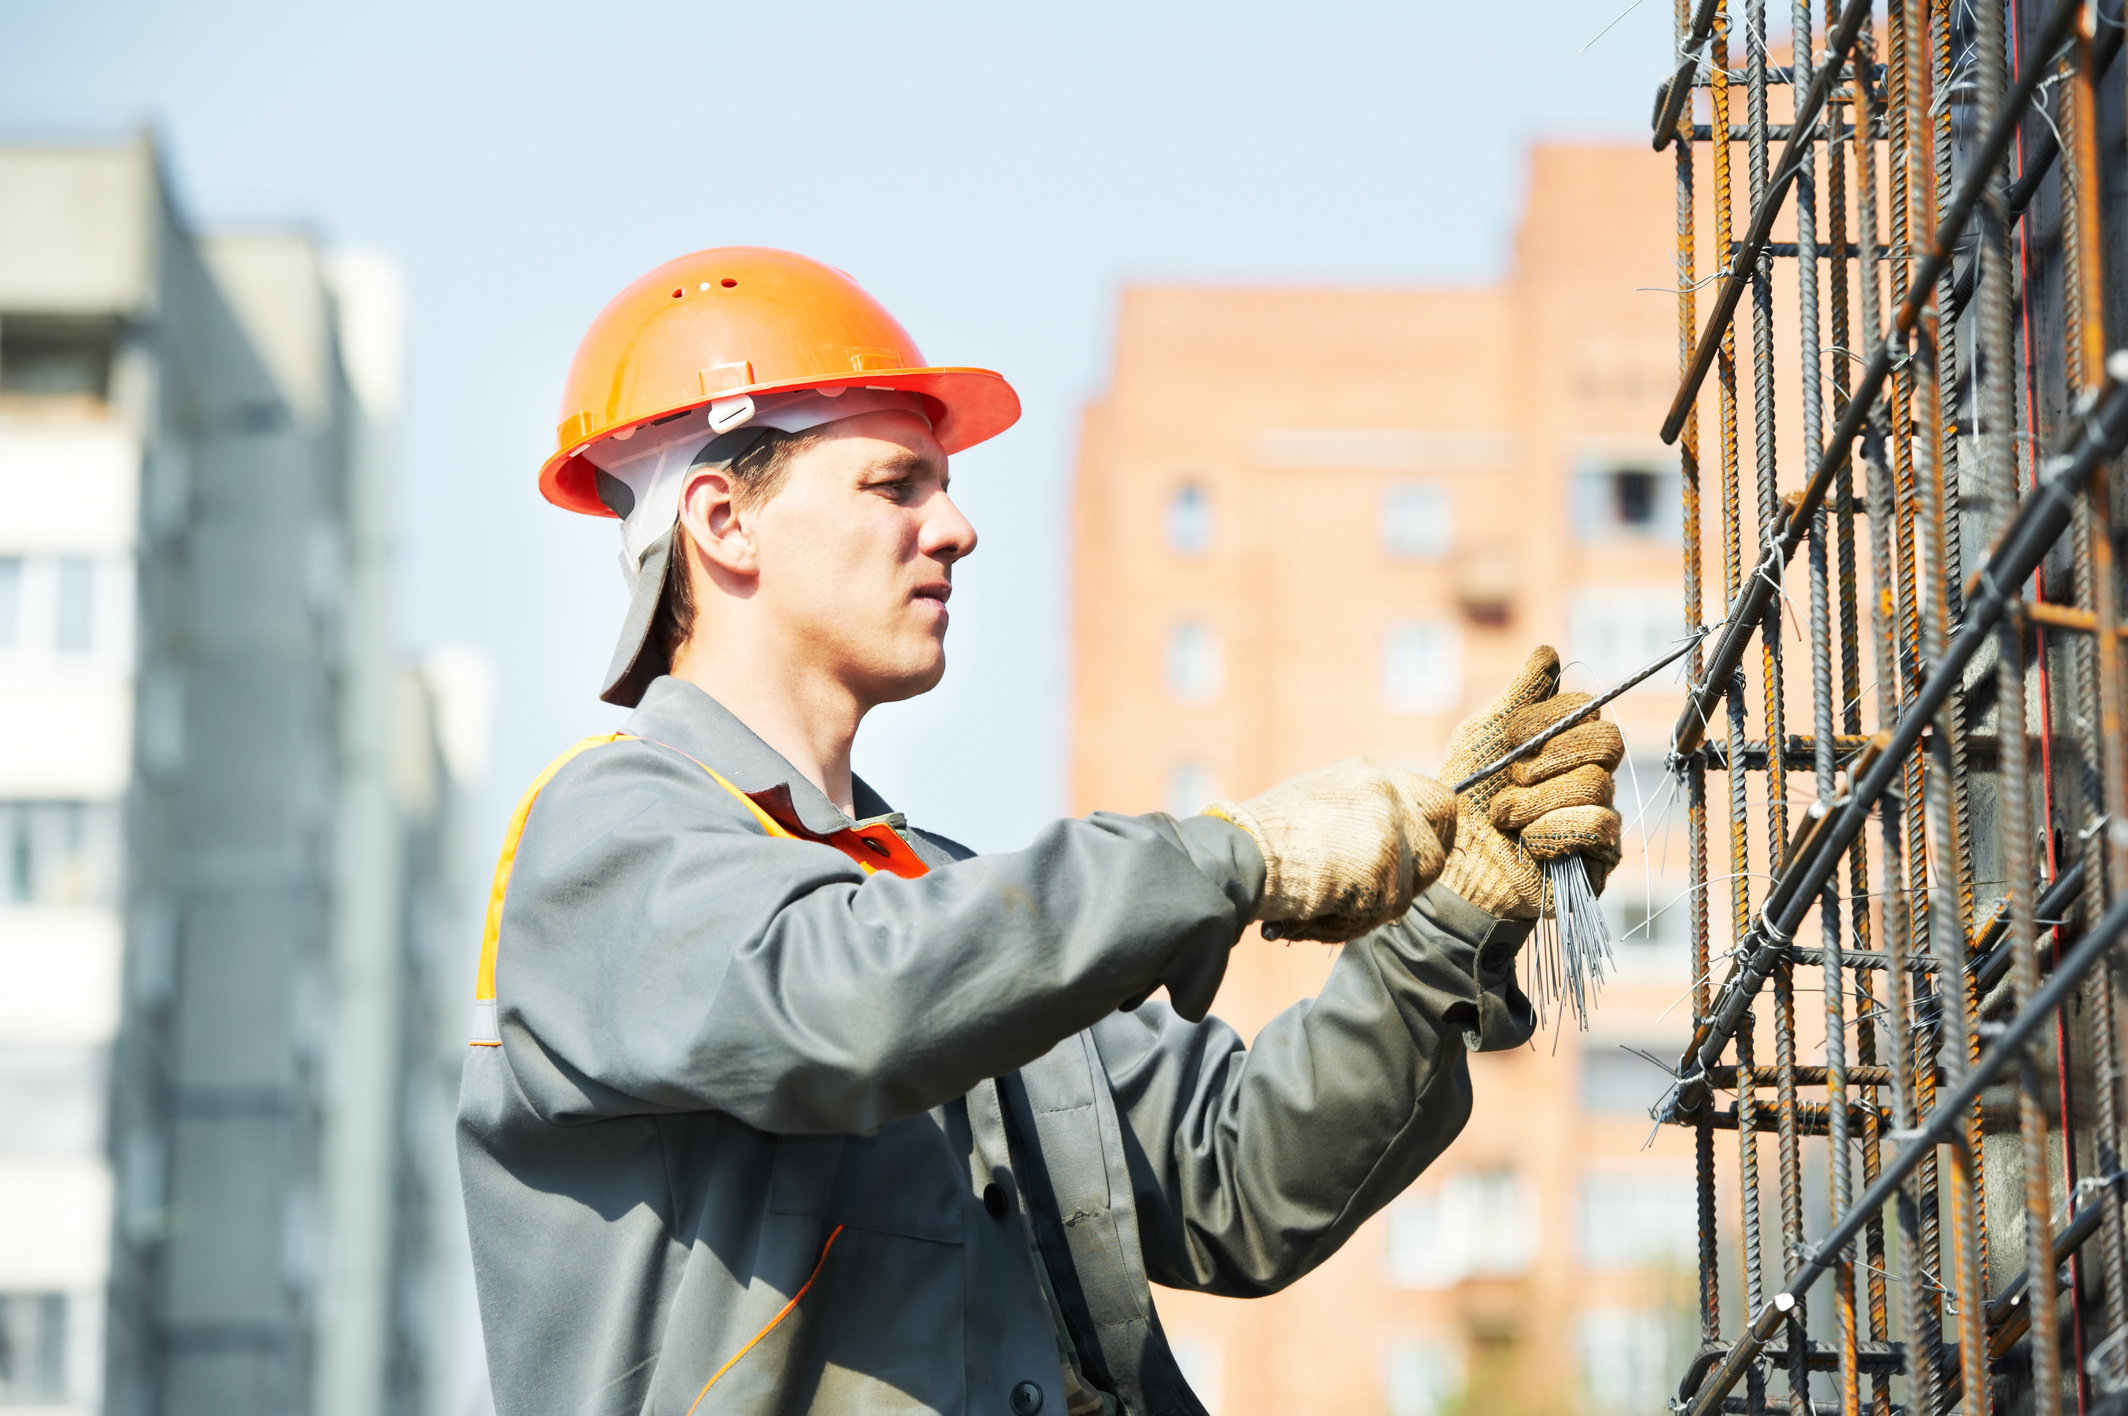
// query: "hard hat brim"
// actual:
[[969, 406]]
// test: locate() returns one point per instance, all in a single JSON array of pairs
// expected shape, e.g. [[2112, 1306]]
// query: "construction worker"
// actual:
[[780, 1104]]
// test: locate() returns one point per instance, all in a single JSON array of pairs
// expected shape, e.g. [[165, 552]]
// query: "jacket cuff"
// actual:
[[1229, 858], [1504, 1016], [1226, 855]]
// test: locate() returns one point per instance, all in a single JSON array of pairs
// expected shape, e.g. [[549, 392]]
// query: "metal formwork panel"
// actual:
[[1901, 754]]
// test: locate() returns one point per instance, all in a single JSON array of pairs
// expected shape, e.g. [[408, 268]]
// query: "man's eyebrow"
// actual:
[[905, 462]]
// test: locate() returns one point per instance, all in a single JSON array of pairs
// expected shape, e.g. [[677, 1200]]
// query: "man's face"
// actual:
[[856, 553]]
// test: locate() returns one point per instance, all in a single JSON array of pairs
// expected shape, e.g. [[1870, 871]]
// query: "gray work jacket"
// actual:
[[716, 1051]]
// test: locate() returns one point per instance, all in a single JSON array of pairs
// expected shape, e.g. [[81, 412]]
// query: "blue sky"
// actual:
[[995, 173]]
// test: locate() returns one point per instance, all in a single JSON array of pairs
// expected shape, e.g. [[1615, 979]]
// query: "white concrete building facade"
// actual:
[[228, 877]]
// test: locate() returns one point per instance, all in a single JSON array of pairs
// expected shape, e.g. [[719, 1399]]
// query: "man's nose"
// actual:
[[947, 535]]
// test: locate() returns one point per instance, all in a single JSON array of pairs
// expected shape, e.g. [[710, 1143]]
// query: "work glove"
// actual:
[[1345, 848], [1554, 803]]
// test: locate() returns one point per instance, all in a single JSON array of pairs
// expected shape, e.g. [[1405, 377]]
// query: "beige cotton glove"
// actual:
[[1554, 803], [1345, 848]]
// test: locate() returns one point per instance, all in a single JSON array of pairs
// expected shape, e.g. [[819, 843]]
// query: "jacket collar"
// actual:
[[678, 714]]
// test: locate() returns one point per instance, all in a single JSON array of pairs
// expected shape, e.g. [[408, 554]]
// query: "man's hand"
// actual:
[[1346, 847], [1554, 803]]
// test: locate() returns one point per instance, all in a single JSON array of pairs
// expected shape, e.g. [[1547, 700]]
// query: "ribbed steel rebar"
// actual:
[[1942, 1125], [1934, 919], [1743, 617]]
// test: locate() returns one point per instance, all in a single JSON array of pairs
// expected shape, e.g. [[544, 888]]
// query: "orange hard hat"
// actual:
[[747, 320]]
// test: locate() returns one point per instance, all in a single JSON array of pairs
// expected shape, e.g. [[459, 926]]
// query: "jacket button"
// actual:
[[1026, 1399], [994, 1200]]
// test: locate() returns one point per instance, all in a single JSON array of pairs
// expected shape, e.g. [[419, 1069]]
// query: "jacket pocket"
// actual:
[[901, 1181]]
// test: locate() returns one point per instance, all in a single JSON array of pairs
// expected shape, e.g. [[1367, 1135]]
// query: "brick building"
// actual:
[[1310, 523]]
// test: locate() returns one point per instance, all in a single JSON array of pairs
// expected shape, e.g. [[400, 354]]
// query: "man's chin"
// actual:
[[902, 684]]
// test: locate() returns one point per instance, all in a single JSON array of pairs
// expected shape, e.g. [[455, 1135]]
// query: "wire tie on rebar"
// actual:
[[2093, 829], [2100, 1355]]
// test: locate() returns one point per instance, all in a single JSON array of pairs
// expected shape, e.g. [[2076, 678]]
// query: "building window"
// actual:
[[1196, 663], [1614, 633], [51, 1100], [1189, 787], [1624, 1361], [10, 603], [1636, 1220], [72, 607], [1418, 521], [1203, 1368], [59, 853], [1422, 666], [1629, 499], [55, 358], [33, 1349], [73, 630], [1420, 1378], [1478, 1224], [1617, 1081], [1189, 520]]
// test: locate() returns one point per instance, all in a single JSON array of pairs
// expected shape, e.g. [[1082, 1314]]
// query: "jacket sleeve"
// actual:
[[659, 952], [1251, 1166]]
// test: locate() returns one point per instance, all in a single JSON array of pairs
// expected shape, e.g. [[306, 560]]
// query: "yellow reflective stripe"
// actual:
[[484, 985]]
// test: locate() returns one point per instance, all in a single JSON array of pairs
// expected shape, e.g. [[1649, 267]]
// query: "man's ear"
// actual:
[[723, 533]]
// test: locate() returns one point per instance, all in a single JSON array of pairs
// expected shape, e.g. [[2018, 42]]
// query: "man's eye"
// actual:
[[896, 491]]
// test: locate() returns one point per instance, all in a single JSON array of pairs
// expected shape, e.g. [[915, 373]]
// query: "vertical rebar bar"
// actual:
[[1878, 521], [2016, 832], [1890, 1020], [2097, 657], [1695, 771], [1838, 522], [1754, 1291]]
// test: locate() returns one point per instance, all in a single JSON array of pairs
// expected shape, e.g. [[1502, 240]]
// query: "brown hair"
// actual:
[[757, 474]]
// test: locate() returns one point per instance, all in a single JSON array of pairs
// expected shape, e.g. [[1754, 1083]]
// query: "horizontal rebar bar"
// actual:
[[1796, 751], [1724, 1078], [1789, 250], [2065, 617], [1811, 1118], [1775, 132], [1784, 76]]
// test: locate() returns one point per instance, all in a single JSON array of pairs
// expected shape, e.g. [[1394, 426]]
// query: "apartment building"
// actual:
[[228, 815], [1311, 523]]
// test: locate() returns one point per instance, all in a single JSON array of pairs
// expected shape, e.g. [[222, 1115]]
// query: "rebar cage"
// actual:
[[1938, 849]]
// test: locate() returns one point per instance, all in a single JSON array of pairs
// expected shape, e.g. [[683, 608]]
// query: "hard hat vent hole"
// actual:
[[728, 283], [676, 294]]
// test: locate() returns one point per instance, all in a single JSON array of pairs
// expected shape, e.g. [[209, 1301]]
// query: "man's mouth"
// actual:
[[940, 593]]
